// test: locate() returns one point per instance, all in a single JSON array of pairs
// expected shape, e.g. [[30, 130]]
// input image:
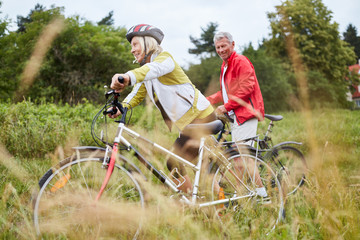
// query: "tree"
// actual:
[[204, 46], [308, 23], [16, 48], [79, 63], [206, 73], [108, 20], [350, 36], [3, 25], [273, 79], [6, 44], [22, 21]]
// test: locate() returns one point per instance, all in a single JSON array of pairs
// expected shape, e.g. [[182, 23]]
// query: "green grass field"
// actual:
[[35, 137]]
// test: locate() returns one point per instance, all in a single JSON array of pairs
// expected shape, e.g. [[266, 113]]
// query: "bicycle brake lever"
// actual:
[[107, 94]]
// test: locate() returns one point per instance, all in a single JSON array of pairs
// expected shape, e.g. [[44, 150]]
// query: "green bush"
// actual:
[[33, 130]]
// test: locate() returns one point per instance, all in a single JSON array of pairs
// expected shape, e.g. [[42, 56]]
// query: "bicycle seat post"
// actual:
[[269, 130]]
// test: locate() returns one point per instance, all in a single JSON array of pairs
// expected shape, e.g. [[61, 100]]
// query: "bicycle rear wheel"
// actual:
[[290, 166], [252, 213], [66, 207]]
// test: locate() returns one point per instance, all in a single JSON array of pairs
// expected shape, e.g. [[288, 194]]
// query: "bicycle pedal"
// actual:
[[264, 200]]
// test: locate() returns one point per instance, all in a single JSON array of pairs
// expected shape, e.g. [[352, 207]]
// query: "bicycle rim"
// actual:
[[66, 207], [290, 168], [254, 215]]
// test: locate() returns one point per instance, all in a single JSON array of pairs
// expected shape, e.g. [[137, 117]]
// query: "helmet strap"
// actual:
[[146, 55]]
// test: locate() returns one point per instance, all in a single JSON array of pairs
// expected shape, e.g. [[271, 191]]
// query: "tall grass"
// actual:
[[35, 137], [327, 207]]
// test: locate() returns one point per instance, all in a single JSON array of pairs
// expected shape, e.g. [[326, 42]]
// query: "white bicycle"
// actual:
[[103, 175]]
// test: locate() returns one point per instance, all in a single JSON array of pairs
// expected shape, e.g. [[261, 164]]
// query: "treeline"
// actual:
[[80, 60], [323, 57], [85, 54]]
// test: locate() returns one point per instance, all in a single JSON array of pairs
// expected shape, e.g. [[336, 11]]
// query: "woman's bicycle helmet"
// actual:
[[145, 30]]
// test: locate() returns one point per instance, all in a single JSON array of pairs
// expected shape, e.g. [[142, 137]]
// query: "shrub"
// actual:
[[30, 130]]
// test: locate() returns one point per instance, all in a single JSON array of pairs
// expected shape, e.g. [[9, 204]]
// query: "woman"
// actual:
[[168, 87]]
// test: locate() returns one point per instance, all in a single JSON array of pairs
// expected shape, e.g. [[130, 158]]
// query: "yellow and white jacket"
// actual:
[[164, 79]]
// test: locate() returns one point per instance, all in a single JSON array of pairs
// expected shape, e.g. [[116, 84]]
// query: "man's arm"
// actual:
[[215, 98]]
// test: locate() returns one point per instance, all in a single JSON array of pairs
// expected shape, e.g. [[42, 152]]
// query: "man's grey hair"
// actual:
[[221, 35]]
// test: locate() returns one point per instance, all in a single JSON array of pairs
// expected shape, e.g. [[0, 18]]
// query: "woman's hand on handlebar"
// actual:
[[112, 115], [117, 85]]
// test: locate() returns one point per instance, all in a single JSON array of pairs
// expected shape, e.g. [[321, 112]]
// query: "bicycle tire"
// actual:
[[65, 205], [290, 165], [251, 210]]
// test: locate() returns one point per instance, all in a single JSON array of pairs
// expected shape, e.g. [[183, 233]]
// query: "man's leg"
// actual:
[[239, 132]]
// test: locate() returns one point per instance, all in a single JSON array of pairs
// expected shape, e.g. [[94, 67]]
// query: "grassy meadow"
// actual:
[[35, 137]]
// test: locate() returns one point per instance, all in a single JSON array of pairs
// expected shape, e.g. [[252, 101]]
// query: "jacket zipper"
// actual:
[[187, 100]]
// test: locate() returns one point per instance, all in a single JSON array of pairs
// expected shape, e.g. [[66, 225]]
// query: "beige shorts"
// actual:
[[246, 130]]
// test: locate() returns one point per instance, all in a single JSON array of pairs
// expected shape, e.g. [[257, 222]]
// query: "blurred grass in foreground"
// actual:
[[327, 207]]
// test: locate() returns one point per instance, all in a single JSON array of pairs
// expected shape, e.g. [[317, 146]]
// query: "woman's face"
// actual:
[[136, 49]]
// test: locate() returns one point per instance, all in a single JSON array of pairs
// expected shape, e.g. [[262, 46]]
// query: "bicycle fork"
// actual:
[[109, 170]]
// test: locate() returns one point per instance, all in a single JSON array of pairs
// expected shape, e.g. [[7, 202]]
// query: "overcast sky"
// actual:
[[246, 20]]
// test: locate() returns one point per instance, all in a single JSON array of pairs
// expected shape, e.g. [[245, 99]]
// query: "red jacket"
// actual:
[[241, 83]]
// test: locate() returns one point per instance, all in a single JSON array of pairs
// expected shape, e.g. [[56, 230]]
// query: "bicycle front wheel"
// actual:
[[255, 211], [290, 166], [66, 206]]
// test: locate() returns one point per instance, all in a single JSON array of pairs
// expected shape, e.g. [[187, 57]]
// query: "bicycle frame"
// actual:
[[120, 139], [234, 185]]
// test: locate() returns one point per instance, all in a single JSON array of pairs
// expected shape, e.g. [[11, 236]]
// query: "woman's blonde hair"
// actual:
[[150, 43]]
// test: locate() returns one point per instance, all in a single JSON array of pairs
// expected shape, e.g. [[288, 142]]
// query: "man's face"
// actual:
[[224, 48]]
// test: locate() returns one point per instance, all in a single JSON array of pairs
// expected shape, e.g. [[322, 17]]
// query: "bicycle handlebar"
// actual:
[[116, 104], [111, 107]]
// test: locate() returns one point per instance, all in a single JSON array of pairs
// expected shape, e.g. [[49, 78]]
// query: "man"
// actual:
[[239, 89], [240, 94]]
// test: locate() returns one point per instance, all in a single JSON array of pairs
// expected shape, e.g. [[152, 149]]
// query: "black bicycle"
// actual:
[[286, 160]]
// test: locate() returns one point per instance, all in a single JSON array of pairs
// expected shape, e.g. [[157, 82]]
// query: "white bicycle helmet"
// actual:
[[145, 30]]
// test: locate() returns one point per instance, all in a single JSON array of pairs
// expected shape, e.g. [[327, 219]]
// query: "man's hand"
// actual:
[[116, 85], [221, 110]]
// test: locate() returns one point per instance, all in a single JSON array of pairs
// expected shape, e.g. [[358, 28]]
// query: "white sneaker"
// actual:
[[261, 192], [262, 196]]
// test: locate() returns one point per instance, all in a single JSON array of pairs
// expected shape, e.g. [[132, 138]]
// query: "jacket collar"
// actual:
[[229, 60]]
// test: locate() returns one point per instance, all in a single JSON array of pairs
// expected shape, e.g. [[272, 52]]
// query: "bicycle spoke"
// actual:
[[249, 209], [291, 167], [68, 204]]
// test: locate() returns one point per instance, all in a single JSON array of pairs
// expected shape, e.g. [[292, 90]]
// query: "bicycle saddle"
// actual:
[[204, 128], [274, 117]]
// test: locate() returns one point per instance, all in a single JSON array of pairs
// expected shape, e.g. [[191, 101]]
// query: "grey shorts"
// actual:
[[246, 130]]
